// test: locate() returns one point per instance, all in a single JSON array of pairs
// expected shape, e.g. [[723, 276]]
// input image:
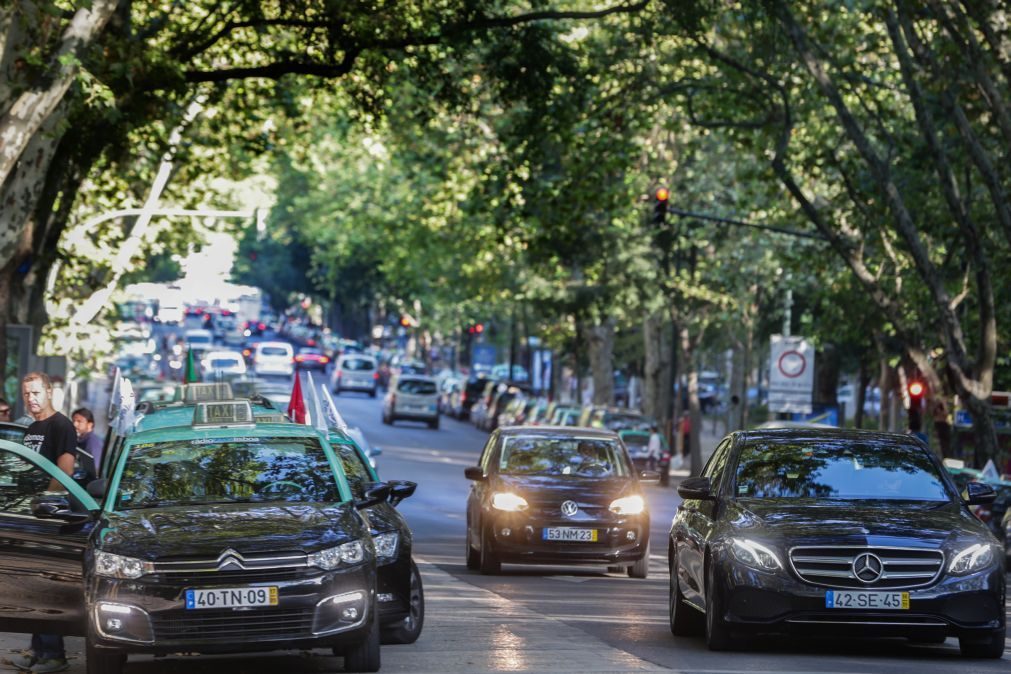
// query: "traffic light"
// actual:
[[405, 321], [660, 207], [916, 389], [479, 328]]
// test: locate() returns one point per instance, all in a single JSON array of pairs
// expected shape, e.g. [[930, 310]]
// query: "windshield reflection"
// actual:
[[578, 457]]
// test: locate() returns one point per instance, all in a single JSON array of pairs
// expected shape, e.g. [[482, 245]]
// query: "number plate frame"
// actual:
[[570, 535], [230, 597], [867, 600]]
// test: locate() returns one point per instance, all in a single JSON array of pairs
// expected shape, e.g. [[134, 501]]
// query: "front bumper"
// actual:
[[757, 602], [153, 617], [619, 540]]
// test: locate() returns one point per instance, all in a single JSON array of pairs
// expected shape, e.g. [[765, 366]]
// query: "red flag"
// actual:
[[296, 406]]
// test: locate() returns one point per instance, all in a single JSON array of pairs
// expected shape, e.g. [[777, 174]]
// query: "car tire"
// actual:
[[434, 424], [102, 660], [665, 476], [684, 620], [386, 419], [473, 556], [408, 630], [364, 656], [488, 562], [717, 630], [990, 648], [372, 393], [336, 390], [641, 567]]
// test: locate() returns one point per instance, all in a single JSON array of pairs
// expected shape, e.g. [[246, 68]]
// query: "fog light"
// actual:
[[507, 532], [350, 613], [630, 535], [114, 624], [384, 598]]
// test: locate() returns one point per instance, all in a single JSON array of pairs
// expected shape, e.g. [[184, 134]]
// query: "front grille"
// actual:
[[896, 567], [201, 626], [232, 567], [227, 577]]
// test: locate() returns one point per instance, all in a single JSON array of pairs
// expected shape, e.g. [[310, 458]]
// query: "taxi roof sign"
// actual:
[[196, 393], [223, 413]]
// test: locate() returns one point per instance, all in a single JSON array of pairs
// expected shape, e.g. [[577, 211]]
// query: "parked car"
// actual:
[[412, 397], [614, 418], [470, 393], [356, 372], [833, 532], [565, 415], [449, 395], [479, 410], [552, 496]]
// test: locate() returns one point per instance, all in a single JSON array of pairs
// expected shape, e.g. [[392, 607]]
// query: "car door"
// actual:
[[41, 559], [699, 521]]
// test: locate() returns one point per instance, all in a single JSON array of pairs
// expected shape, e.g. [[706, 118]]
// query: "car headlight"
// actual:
[[386, 544], [331, 558], [629, 505], [504, 500], [118, 566], [755, 555], [973, 558]]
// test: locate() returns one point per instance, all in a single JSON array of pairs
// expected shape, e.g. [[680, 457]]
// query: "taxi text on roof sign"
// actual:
[[229, 413]]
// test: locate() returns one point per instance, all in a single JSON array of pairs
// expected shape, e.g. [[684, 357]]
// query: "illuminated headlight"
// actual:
[[755, 555], [331, 558], [973, 558], [386, 545], [118, 566], [504, 500], [629, 505]]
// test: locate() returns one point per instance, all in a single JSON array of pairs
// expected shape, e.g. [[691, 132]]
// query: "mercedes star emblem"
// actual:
[[868, 567], [569, 508]]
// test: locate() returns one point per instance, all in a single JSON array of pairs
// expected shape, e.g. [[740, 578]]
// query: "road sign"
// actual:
[[791, 375]]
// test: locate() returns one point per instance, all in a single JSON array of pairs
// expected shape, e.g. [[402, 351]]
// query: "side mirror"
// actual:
[[698, 488], [401, 489], [475, 473], [978, 493], [96, 488], [649, 477], [376, 451], [53, 507], [375, 493]]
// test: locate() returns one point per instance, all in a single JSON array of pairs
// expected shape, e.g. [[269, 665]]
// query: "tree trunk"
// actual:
[[656, 400], [738, 385], [600, 347], [860, 395], [688, 345]]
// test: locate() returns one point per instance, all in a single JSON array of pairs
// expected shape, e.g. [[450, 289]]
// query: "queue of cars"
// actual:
[[217, 526]]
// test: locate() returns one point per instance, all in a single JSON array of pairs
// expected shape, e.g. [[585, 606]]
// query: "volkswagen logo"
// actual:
[[867, 567], [569, 508]]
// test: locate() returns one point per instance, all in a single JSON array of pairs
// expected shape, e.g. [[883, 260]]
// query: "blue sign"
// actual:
[[483, 356]]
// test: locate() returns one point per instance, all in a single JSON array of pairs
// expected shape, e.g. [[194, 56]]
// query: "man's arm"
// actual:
[[64, 462]]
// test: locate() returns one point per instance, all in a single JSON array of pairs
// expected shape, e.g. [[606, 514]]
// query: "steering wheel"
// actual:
[[272, 486]]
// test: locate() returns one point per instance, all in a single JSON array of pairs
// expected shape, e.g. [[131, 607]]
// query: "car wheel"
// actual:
[[336, 390], [641, 567], [102, 660], [684, 620], [473, 556], [665, 476], [488, 562], [408, 630], [717, 630], [386, 419], [990, 647], [434, 424], [364, 656], [372, 393]]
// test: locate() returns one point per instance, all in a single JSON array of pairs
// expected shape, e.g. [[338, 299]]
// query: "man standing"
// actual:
[[89, 443], [53, 436], [654, 448]]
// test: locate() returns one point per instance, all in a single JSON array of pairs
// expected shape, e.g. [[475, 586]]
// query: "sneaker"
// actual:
[[50, 665], [23, 660]]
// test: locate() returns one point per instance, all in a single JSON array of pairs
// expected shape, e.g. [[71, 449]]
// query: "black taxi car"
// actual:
[[836, 533], [554, 495], [228, 536]]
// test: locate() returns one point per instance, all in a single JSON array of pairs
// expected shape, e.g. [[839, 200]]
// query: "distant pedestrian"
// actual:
[[89, 445], [654, 448], [52, 435]]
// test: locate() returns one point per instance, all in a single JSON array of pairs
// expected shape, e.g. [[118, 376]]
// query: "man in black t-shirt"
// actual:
[[53, 436]]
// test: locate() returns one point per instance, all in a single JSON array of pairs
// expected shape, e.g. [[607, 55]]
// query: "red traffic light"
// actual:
[[916, 389], [405, 321], [662, 194], [479, 328]]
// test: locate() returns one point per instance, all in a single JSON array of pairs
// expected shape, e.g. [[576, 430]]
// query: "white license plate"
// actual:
[[231, 597], [897, 601], [570, 534]]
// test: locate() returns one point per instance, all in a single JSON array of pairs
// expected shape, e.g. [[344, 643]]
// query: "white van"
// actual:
[[199, 341], [274, 358], [414, 397]]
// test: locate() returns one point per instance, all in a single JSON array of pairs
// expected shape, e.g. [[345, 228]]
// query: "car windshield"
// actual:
[[198, 339], [838, 469], [226, 470], [416, 387], [578, 457]]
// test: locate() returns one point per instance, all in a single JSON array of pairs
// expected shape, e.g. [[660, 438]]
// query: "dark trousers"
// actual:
[[48, 647]]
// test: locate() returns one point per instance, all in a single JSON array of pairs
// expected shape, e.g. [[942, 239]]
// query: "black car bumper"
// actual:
[[310, 613], [394, 590], [518, 539], [963, 606]]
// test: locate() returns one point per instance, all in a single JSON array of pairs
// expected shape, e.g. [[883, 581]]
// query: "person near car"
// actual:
[[89, 443], [52, 435], [654, 448], [5, 410]]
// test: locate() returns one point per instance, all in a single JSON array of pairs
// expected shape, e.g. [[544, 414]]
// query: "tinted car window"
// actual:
[[416, 387], [838, 470], [13, 433], [224, 362], [579, 457], [230, 469], [357, 473], [273, 351], [358, 365], [20, 482]]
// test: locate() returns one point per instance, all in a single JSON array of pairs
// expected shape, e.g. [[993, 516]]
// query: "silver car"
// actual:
[[356, 372], [414, 397]]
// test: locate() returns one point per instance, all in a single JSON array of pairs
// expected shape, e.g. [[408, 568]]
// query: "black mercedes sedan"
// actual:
[[553, 495], [834, 533]]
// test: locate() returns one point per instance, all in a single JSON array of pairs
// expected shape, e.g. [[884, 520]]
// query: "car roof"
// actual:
[[581, 431], [285, 345], [180, 415], [218, 353], [261, 430], [815, 434]]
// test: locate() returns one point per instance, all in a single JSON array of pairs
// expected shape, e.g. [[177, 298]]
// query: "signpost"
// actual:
[[791, 375]]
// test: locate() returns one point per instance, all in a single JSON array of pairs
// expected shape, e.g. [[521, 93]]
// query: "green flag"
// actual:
[[191, 375]]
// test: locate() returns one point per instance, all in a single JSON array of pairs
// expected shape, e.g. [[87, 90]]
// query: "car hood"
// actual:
[[809, 522], [246, 528], [541, 489]]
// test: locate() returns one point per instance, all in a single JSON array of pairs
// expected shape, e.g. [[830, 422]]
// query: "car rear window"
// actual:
[[224, 362], [358, 365], [416, 387], [198, 339], [273, 351]]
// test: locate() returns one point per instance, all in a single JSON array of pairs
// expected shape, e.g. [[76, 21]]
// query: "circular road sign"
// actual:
[[792, 364]]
